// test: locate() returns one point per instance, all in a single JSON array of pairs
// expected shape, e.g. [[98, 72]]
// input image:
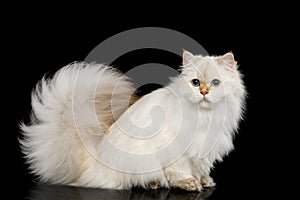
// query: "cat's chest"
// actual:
[[188, 125], [193, 118]]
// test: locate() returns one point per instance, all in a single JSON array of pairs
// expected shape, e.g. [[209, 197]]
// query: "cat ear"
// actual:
[[228, 60], [187, 57]]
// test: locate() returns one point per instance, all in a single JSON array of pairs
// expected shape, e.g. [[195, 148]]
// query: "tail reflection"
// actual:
[[50, 192]]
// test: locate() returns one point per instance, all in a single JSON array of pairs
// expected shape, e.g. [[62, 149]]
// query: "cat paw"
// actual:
[[207, 181], [153, 185], [189, 184]]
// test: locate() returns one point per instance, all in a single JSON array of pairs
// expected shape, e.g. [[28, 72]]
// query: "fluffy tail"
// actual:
[[70, 114]]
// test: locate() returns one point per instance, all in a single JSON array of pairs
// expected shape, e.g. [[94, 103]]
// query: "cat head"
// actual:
[[209, 80]]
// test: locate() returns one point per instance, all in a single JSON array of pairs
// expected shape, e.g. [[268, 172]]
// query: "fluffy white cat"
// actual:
[[84, 133]]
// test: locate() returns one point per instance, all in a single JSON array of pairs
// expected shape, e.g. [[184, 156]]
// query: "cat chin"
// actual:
[[205, 104]]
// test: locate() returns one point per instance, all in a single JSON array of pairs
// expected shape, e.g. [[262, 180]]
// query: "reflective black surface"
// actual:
[[50, 192]]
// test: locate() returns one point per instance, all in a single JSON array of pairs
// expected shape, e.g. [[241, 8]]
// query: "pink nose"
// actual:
[[204, 92]]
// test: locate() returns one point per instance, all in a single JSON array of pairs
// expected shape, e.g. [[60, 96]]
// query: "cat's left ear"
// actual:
[[228, 60]]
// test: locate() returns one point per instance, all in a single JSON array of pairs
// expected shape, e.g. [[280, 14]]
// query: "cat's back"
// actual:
[[162, 98], [147, 118]]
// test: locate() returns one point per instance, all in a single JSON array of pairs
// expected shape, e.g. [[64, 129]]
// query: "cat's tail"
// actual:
[[70, 114]]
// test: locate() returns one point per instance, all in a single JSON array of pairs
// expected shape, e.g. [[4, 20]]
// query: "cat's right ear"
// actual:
[[187, 57], [228, 60]]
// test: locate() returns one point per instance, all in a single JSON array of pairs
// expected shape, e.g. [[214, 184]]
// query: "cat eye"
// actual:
[[195, 82], [215, 82]]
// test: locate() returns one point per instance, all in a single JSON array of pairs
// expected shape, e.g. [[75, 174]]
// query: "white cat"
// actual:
[[84, 134]]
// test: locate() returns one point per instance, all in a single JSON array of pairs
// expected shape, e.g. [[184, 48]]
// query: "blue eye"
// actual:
[[215, 82], [195, 82]]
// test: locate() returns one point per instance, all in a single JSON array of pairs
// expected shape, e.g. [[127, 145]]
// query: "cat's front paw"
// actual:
[[207, 181], [189, 184]]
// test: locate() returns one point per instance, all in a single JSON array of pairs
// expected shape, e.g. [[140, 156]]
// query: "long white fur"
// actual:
[[53, 143], [167, 136]]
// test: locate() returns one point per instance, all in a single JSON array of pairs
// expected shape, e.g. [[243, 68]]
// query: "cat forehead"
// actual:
[[204, 67]]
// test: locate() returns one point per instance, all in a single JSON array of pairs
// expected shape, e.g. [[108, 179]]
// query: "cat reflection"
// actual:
[[49, 192]]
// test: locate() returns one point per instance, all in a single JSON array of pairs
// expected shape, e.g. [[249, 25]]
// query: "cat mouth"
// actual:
[[204, 100]]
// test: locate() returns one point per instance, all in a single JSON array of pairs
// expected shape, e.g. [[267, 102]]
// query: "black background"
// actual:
[[39, 43]]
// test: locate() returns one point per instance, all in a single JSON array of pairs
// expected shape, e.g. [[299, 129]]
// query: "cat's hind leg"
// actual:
[[153, 185]]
